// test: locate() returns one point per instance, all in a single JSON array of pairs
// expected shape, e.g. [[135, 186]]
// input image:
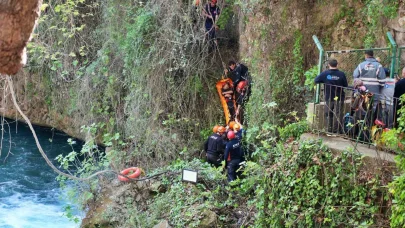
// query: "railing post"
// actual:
[[321, 56], [398, 65], [393, 55]]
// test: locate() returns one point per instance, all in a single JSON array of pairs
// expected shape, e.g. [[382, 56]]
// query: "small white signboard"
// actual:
[[189, 176]]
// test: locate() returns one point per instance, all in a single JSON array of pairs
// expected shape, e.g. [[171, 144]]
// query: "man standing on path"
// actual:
[[370, 72], [334, 80], [211, 13], [398, 92]]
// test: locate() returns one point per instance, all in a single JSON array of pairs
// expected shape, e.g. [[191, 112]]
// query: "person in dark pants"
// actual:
[[211, 12], [370, 71], [242, 83], [233, 156], [333, 80], [398, 92], [214, 147]]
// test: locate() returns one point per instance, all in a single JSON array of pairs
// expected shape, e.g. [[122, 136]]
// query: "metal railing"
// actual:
[[348, 60], [355, 113], [400, 63]]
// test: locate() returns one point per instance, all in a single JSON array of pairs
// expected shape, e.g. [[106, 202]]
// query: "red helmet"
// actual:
[[214, 1], [231, 135], [241, 85]]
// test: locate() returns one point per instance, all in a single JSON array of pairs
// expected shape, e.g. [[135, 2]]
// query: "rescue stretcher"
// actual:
[[219, 86]]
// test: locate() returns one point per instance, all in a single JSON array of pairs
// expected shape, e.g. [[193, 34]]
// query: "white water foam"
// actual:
[[22, 212]]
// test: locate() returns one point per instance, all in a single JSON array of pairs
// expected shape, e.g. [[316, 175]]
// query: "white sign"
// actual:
[[189, 176]]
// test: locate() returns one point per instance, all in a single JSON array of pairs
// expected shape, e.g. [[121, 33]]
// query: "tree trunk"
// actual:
[[17, 21]]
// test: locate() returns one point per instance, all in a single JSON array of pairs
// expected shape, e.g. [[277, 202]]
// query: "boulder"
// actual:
[[156, 187], [163, 224], [209, 220]]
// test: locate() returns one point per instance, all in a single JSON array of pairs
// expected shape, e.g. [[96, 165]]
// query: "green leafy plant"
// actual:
[[309, 186], [294, 130], [310, 76]]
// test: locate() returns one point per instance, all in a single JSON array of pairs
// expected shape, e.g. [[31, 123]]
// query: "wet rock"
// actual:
[[138, 198], [140, 185], [157, 187], [163, 224], [95, 217], [209, 220]]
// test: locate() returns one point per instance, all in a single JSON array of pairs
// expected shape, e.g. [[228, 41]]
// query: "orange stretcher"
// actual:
[[219, 86]]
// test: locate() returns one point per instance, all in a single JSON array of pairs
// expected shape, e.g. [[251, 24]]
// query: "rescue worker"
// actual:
[[334, 81], [370, 72], [238, 129], [387, 93], [398, 92], [214, 147], [233, 156], [241, 99], [239, 72], [211, 12], [242, 82]]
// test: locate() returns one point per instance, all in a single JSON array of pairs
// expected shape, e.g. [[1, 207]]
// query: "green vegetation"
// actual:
[[140, 78], [137, 68], [395, 140], [373, 12]]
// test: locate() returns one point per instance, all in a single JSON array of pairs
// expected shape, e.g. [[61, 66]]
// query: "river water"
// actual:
[[30, 196]]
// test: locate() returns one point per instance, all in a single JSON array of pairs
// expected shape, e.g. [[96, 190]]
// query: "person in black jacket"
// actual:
[[398, 92], [334, 80], [239, 74], [214, 147], [233, 155], [211, 13]]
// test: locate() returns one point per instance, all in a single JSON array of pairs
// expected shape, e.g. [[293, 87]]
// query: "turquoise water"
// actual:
[[30, 196]]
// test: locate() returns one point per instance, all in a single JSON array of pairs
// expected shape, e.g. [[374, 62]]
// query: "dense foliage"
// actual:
[[296, 184], [143, 70], [140, 76], [395, 140]]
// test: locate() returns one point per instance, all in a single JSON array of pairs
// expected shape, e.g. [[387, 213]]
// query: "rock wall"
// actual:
[[17, 20], [31, 94]]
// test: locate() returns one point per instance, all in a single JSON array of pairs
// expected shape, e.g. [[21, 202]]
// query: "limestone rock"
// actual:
[[163, 224], [95, 218], [209, 220], [156, 187], [17, 20]]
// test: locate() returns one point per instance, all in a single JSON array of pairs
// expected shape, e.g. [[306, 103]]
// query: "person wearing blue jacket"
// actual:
[[233, 155], [334, 82]]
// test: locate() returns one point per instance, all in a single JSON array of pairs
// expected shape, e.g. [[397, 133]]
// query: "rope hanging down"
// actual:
[[10, 83]]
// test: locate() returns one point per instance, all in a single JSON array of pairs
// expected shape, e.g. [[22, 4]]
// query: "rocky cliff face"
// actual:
[[31, 96], [272, 35], [17, 20]]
